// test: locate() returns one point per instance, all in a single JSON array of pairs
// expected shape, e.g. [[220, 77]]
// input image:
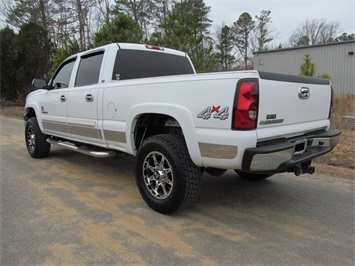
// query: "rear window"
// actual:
[[132, 64]]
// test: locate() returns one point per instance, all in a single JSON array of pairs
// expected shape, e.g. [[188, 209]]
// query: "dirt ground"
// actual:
[[73, 209], [10, 110], [341, 158]]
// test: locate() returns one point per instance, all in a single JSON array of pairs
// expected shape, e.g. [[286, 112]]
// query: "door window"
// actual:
[[62, 77], [89, 70]]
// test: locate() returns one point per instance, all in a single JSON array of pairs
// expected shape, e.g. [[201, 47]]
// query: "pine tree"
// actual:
[[308, 68], [186, 28], [8, 58], [121, 29], [242, 29], [34, 54], [262, 29], [224, 48], [69, 48]]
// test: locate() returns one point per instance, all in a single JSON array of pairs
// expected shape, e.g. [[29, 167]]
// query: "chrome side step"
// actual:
[[82, 149]]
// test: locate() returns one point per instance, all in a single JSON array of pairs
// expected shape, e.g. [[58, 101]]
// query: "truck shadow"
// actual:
[[228, 190]]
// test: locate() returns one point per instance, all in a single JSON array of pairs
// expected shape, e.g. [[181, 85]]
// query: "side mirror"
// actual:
[[39, 83]]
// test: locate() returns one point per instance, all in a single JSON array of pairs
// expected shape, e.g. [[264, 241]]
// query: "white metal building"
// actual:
[[335, 59]]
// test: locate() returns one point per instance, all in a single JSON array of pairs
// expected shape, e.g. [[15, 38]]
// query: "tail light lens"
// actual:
[[246, 105], [154, 47]]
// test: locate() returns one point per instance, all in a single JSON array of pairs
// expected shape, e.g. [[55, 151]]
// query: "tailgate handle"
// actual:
[[304, 93]]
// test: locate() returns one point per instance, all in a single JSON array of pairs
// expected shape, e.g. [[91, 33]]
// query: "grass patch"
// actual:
[[343, 105], [343, 154]]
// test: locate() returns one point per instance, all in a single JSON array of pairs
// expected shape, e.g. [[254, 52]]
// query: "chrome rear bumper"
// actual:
[[284, 155]]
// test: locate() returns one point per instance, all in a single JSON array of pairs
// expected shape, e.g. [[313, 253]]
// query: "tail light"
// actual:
[[331, 101], [246, 104]]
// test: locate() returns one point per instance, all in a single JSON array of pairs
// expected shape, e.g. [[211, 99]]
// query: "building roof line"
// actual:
[[302, 47]]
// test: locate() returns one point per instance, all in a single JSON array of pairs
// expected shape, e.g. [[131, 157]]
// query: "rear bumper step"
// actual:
[[88, 150], [289, 154]]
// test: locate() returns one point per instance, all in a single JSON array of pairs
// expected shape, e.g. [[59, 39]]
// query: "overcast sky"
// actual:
[[286, 14]]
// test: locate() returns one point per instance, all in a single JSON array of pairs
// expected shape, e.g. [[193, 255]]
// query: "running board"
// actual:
[[82, 149]]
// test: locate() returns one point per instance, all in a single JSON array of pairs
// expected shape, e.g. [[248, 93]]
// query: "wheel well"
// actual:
[[30, 112], [153, 124]]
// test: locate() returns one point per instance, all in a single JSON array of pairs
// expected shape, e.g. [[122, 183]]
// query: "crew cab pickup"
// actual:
[[147, 101]]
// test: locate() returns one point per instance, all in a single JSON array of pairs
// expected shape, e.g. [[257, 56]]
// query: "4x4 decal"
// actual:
[[220, 114]]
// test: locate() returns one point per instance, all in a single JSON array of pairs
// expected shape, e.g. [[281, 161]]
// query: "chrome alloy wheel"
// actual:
[[158, 175], [31, 139]]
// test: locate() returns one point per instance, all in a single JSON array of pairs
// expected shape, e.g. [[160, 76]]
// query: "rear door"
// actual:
[[83, 100]]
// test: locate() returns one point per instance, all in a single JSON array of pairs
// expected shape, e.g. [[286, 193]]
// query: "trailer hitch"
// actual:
[[303, 168]]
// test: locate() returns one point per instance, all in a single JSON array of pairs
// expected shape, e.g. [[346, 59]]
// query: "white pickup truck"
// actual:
[[148, 101]]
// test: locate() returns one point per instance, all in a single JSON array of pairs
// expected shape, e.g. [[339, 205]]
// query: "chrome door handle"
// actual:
[[62, 98], [89, 98]]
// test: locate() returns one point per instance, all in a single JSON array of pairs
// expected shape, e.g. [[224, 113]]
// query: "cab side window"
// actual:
[[89, 69], [62, 77]]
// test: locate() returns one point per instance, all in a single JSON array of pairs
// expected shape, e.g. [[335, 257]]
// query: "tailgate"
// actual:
[[290, 100]]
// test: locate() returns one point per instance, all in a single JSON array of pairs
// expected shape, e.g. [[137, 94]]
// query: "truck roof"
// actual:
[[135, 46], [143, 47]]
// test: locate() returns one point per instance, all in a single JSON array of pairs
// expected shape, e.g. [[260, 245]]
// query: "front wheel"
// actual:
[[252, 176], [36, 141], [166, 176]]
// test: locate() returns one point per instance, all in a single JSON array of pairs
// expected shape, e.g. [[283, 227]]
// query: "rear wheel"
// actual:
[[252, 176], [166, 176], [36, 141]]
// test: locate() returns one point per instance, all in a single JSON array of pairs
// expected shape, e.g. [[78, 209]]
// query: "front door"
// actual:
[[53, 105]]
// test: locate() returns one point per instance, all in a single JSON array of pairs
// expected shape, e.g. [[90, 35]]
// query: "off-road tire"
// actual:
[[36, 143], [252, 176], [182, 188]]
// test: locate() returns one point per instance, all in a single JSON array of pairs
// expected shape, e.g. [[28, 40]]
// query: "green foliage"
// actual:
[[308, 68], [324, 76], [204, 59], [303, 41], [345, 37], [23, 56], [34, 54], [186, 28], [121, 29], [61, 53], [224, 48], [8, 58]]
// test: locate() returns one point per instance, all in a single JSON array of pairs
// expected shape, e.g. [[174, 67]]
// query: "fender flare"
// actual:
[[35, 108], [179, 113]]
